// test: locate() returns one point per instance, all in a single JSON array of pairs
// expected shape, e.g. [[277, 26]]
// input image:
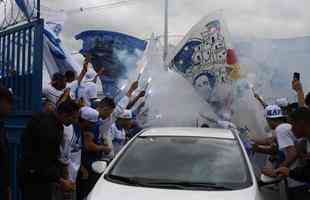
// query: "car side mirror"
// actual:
[[266, 180], [99, 166]]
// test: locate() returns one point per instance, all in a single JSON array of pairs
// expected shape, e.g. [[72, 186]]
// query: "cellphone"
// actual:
[[297, 76]]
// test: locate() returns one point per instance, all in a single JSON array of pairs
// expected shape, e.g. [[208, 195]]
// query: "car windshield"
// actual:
[[182, 162]]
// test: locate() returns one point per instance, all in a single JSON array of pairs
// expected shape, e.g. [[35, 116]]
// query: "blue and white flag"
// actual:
[[108, 49], [117, 53], [207, 59], [56, 58]]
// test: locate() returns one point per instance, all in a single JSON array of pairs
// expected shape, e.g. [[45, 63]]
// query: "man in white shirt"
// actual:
[[300, 121], [71, 78], [274, 117], [107, 111], [286, 144], [105, 108], [118, 130], [71, 151], [286, 153], [288, 136], [92, 151], [55, 90]]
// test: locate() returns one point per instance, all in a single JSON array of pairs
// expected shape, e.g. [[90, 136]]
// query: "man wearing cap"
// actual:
[[6, 101], [55, 90], [118, 130], [288, 136], [93, 150], [84, 88], [275, 118]]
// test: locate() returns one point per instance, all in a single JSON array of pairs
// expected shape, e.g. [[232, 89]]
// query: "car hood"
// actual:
[[106, 190]]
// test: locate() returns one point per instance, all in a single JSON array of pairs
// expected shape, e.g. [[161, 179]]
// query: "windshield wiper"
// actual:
[[187, 185], [125, 180], [167, 184], [204, 185]]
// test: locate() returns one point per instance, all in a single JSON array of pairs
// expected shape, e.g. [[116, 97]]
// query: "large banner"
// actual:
[[207, 59], [116, 52]]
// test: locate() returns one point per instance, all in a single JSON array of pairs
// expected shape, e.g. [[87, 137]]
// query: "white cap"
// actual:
[[89, 114], [125, 114], [282, 102], [273, 112]]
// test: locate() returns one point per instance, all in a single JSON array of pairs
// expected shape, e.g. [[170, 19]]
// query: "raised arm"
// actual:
[[84, 70], [99, 73], [259, 99], [134, 101], [297, 87]]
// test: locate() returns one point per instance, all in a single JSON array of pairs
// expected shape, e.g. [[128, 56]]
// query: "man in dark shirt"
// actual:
[[40, 169], [6, 100]]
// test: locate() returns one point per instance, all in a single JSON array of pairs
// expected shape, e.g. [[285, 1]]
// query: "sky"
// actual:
[[245, 18]]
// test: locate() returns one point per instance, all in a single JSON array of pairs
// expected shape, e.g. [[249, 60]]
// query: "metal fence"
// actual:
[[13, 12], [21, 49]]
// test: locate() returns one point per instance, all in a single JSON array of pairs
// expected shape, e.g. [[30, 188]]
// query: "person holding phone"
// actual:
[[297, 87]]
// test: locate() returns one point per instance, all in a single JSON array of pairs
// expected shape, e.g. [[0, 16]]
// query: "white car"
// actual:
[[179, 164]]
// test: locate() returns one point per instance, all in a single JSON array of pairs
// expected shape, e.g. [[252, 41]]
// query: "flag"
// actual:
[[56, 58], [108, 49], [118, 53], [207, 59]]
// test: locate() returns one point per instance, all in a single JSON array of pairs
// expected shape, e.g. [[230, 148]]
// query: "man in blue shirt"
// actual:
[[92, 150]]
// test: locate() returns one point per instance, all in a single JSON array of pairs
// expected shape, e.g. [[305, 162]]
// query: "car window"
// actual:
[[184, 159]]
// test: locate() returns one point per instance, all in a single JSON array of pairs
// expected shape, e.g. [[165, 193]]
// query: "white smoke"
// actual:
[[172, 100], [270, 65]]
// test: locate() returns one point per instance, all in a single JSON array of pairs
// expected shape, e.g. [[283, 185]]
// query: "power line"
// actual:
[[83, 9]]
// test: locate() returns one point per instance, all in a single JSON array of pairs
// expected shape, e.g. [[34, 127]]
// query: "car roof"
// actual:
[[189, 132]]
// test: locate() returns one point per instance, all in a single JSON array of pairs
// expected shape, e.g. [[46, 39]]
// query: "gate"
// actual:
[[21, 50]]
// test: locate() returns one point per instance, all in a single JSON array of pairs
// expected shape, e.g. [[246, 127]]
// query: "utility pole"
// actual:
[[166, 32]]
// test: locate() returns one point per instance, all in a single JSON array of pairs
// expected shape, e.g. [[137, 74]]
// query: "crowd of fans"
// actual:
[[76, 129], [288, 148]]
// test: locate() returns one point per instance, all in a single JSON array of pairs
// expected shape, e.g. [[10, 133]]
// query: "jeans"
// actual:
[[46, 191], [85, 186]]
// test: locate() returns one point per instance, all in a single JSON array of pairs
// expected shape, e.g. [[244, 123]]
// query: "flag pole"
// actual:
[[38, 9], [166, 34]]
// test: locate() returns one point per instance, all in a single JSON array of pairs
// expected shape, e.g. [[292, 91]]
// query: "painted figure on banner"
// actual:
[[207, 59]]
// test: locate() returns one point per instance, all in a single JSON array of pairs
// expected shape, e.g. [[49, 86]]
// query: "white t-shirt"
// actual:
[[285, 136], [72, 86], [105, 127], [52, 94], [86, 90], [118, 138], [71, 152]]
